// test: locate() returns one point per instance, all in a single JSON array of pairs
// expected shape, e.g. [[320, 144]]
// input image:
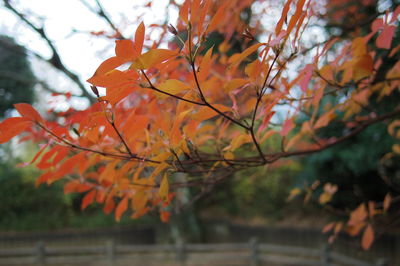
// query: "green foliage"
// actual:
[[16, 77]]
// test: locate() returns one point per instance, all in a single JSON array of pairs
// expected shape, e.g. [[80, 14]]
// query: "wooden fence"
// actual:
[[252, 253]]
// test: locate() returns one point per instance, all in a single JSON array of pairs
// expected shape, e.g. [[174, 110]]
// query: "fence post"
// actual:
[[40, 253], [325, 257], [255, 256], [180, 252], [110, 251]]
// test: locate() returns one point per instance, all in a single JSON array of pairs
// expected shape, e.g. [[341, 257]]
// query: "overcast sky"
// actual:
[[80, 51]]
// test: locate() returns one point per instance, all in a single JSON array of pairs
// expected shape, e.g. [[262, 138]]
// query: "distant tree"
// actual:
[[16, 77]]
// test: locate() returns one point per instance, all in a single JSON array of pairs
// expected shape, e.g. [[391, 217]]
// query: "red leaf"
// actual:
[[12, 127], [164, 216], [88, 199], [287, 126], [384, 40], [28, 111], [71, 187], [43, 178], [109, 205], [39, 153]]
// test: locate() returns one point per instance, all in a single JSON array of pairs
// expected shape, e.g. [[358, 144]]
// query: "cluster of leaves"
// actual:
[[186, 109]]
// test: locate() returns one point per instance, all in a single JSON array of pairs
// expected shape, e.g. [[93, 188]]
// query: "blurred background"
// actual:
[[47, 51]]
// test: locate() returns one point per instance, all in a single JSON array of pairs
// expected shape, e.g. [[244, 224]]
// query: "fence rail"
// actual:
[[111, 254]]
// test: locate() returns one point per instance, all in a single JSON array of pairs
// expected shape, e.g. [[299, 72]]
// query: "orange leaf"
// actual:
[[71, 187], [108, 65], [217, 18], [113, 78], [387, 201], [205, 65], [43, 178], [26, 110], [237, 58], [285, 11], [354, 230], [367, 238], [69, 165], [164, 216], [194, 11], [12, 127], [202, 15], [139, 39], [164, 187], [88, 199], [109, 205], [58, 151], [234, 84], [184, 11], [253, 70], [328, 227], [125, 49], [297, 14], [121, 208], [358, 215]]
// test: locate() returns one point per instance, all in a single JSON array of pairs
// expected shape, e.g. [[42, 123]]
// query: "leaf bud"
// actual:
[[172, 29], [247, 34], [95, 91]]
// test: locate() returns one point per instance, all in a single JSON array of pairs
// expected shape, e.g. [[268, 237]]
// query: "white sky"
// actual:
[[80, 51]]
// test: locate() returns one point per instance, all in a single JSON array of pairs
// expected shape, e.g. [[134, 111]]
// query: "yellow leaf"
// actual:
[[239, 141], [164, 187], [139, 201], [393, 126], [324, 198], [362, 67], [205, 112], [229, 155], [152, 57], [172, 86], [293, 193]]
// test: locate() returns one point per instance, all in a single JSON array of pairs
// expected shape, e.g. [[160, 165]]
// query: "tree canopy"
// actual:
[[209, 112]]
